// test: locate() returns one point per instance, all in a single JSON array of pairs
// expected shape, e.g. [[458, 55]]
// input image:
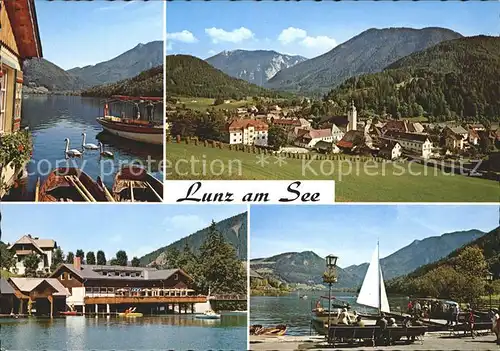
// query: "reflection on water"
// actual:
[[53, 118], [152, 333], [296, 312]]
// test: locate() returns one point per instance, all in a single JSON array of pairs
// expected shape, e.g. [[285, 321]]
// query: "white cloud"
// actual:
[[235, 36], [185, 37], [212, 52], [291, 35], [298, 36], [321, 42]]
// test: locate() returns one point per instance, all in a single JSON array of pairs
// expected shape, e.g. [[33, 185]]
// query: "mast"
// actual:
[[379, 282]]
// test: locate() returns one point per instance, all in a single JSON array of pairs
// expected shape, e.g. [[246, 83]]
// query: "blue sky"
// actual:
[[80, 33], [310, 28], [137, 229], [351, 231]]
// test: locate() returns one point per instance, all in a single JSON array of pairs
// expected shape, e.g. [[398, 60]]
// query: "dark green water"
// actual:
[[147, 333], [296, 312], [52, 118]]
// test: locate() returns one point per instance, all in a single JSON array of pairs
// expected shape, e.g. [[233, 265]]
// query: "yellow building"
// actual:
[[19, 40]]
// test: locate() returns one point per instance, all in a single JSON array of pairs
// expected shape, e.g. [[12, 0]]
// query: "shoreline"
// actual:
[[431, 341]]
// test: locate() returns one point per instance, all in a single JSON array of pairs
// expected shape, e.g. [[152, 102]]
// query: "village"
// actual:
[[285, 129]]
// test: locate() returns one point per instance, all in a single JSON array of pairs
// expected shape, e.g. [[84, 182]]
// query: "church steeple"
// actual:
[[352, 116]]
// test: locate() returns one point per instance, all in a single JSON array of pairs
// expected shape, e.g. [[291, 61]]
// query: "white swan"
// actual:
[[72, 152], [105, 153], [88, 146]]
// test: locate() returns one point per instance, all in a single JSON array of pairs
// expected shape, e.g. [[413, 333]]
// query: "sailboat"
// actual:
[[372, 293]]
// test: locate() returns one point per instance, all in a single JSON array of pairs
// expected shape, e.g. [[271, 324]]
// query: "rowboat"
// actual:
[[133, 128], [208, 315], [135, 184], [130, 314], [68, 184], [258, 329]]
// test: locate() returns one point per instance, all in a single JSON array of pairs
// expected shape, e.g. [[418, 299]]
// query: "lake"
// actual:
[[52, 118], [296, 312], [172, 332]]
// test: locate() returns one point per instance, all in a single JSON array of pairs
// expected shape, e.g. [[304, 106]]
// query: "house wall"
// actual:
[[6, 34]]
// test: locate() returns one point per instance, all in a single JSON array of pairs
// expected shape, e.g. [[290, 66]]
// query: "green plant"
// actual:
[[16, 148]]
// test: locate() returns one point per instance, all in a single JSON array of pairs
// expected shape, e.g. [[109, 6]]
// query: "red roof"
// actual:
[[320, 133], [294, 122], [22, 16], [245, 123]]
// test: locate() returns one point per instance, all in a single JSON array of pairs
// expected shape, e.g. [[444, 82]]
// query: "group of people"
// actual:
[[495, 323]]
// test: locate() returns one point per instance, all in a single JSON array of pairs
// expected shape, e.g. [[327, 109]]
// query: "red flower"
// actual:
[[20, 148]]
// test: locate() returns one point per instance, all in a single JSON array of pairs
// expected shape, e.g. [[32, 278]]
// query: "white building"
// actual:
[[337, 134], [416, 143], [248, 132], [391, 150], [352, 116], [309, 137], [27, 245]]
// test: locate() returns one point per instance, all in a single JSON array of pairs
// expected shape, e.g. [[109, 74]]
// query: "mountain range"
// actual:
[[419, 253], [307, 267], [43, 73], [453, 79], [370, 51], [190, 76], [233, 229], [256, 66]]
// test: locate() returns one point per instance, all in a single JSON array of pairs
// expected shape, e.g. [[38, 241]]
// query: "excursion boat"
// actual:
[[135, 184], [68, 184], [133, 128], [208, 315], [319, 318]]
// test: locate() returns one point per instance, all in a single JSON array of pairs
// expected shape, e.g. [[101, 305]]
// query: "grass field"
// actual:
[[380, 182], [202, 104]]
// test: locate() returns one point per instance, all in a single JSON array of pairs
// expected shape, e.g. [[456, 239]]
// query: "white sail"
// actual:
[[372, 291]]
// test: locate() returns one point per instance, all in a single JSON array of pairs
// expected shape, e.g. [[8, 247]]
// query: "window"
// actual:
[[3, 99], [62, 276], [176, 276], [69, 276]]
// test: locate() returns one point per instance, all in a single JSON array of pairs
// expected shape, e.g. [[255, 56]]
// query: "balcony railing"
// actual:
[[136, 292]]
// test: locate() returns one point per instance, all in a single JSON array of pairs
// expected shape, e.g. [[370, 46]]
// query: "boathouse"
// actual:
[[108, 289], [39, 296], [7, 297], [19, 40]]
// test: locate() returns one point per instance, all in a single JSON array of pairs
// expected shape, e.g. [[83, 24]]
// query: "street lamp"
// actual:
[[330, 277], [489, 278]]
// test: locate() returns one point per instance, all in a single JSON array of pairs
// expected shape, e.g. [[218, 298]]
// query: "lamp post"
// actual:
[[330, 277], [489, 278]]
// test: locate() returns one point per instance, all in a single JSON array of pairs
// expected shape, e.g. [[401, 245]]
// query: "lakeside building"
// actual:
[[415, 143], [110, 289], [7, 297], [27, 245], [19, 40], [248, 132]]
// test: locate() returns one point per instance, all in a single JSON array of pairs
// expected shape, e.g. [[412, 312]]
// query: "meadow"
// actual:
[[202, 104], [355, 181]]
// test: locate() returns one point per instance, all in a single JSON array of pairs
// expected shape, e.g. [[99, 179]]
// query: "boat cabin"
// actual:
[[19, 40]]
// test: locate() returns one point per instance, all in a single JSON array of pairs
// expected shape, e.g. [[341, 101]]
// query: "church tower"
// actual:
[[352, 116]]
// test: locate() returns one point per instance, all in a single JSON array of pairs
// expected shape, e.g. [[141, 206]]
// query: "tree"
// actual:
[[135, 262], [101, 258], [219, 265], [172, 258], [276, 137], [57, 259], [90, 259], [7, 260], [121, 258], [31, 263], [81, 254], [218, 101], [70, 257]]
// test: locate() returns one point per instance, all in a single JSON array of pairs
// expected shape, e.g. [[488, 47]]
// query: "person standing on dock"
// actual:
[[137, 112], [149, 110]]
